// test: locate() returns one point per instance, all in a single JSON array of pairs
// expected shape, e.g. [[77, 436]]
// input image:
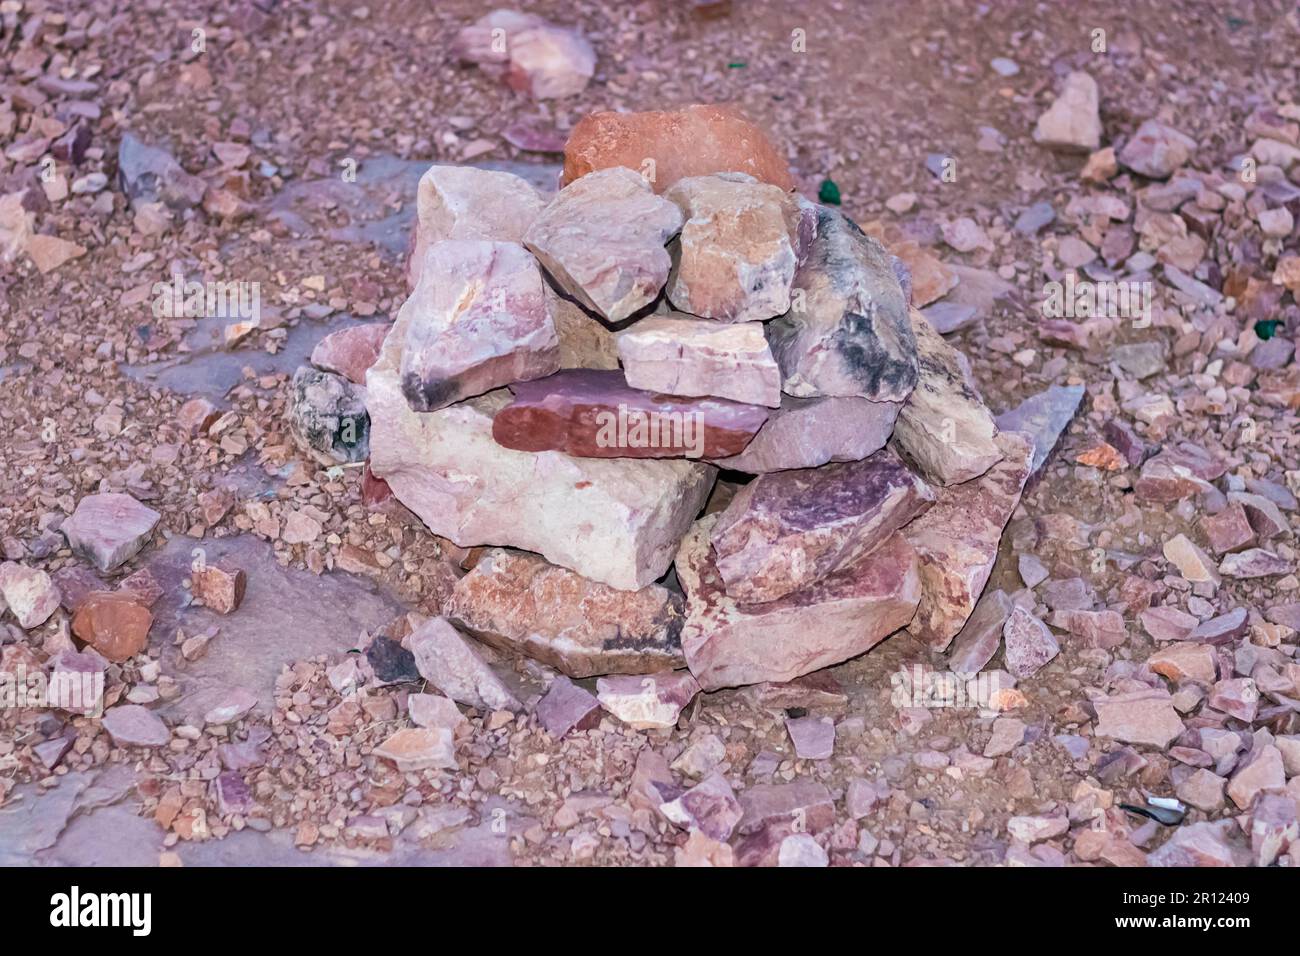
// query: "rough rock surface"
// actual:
[[839, 617], [1072, 122], [593, 413], [847, 332], [449, 662], [694, 141], [131, 725], [1139, 717], [327, 417], [957, 541], [116, 625], [602, 239], [109, 528], [683, 355], [29, 593], [1044, 417], [479, 319], [808, 432], [943, 425], [785, 530], [653, 701], [349, 352], [1156, 150], [520, 603], [616, 521], [739, 245], [528, 53]]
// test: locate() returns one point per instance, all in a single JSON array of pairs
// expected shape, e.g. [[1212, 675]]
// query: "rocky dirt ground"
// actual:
[[925, 124]]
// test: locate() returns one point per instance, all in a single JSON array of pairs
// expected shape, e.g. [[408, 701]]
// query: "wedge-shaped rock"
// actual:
[[647, 702], [594, 414], [847, 331], [957, 541], [602, 239], [448, 661], [839, 617], [479, 319], [943, 426], [520, 603], [683, 355], [1072, 122], [807, 432], [1044, 417], [669, 146], [108, 529], [616, 521], [739, 246], [785, 530], [464, 202]]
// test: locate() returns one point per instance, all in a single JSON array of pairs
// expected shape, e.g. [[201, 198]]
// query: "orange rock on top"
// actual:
[[693, 141]]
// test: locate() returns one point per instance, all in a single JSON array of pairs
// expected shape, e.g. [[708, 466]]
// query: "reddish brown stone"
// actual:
[[220, 589], [349, 352], [115, 624], [593, 413], [1228, 530], [668, 146]]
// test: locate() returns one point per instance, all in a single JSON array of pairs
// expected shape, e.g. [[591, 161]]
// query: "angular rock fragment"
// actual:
[[616, 521], [943, 426], [221, 589], [668, 146], [1102, 629], [1044, 417], [478, 319], [839, 617], [710, 807], [520, 603], [528, 53], [593, 413], [1203, 844], [1028, 645], [150, 174], [1156, 150], [809, 432], [978, 640], [1254, 563], [131, 725], [585, 341], [813, 737], [1260, 772], [108, 529], [682, 355], [602, 239], [116, 625], [29, 593], [434, 710], [804, 803], [1072, 122], [787, 529], [848, 331], [1176, 473], [566, 707], [446, 660], [1264, 516], [327, 417], [1229, 530], [349, 352], [739, 245], [1180, 662], [957, 541], [1139, 717], [650, 702], [1192, 563], [413, 749], [465, 202]]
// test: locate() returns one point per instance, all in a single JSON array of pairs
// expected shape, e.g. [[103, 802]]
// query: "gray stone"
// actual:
[[328, 418]]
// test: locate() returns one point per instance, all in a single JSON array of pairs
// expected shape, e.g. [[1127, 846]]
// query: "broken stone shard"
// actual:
[[978, 640], [30, 594], [1028, 645], [602, 239], [221, 589], [1072, 122], [1139, 717], [593, 413], [327, 417], [787, 529], [957, 541], [465, 202], [1156, 150], [843, 615], [413, 749], [566, 707], [649, 702], [808, 432], [736, 255], [666, 147], [847, 332], [943, 426], [349, 352], [710, 807], [478, 319], [131, 725], [150, 174], [1044, 417], [449, 662], [109, 529], [519, 603], [615, 521], [682, 355], [116, 625]]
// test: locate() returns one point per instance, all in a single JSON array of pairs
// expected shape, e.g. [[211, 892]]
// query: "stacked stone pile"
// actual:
[[571, 375]]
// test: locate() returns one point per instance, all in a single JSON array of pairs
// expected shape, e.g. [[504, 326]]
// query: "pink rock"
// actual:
[[805, 804], [1177, 473], [1273, 828], [567, 707], [413, 749], [434, 710], [109, 529], [349, 352], [1072, 123], [978, 640], [710, 807], [234, 705], [1167, 623], [1156, 150], [847, 333], [957, 541], [813, 737], [131, 725], [534, 136], [785, 530], [1139, 717], [1237, 697], [682, 355], [602, 239], [653, 701], [232, 794], [1185, 661], [943, 426], [1203, 844], [808, 432], [1228, 530], [478, 320], [445, 659], [530, 54], [1103, 629], [1261, 772], [593, 413], [736, 256], [519, 603], [1254, 563], [727, 644], [1028, 645], [30, 594]]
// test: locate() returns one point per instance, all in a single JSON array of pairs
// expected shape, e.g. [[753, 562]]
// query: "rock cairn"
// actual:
[[674, 364]]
